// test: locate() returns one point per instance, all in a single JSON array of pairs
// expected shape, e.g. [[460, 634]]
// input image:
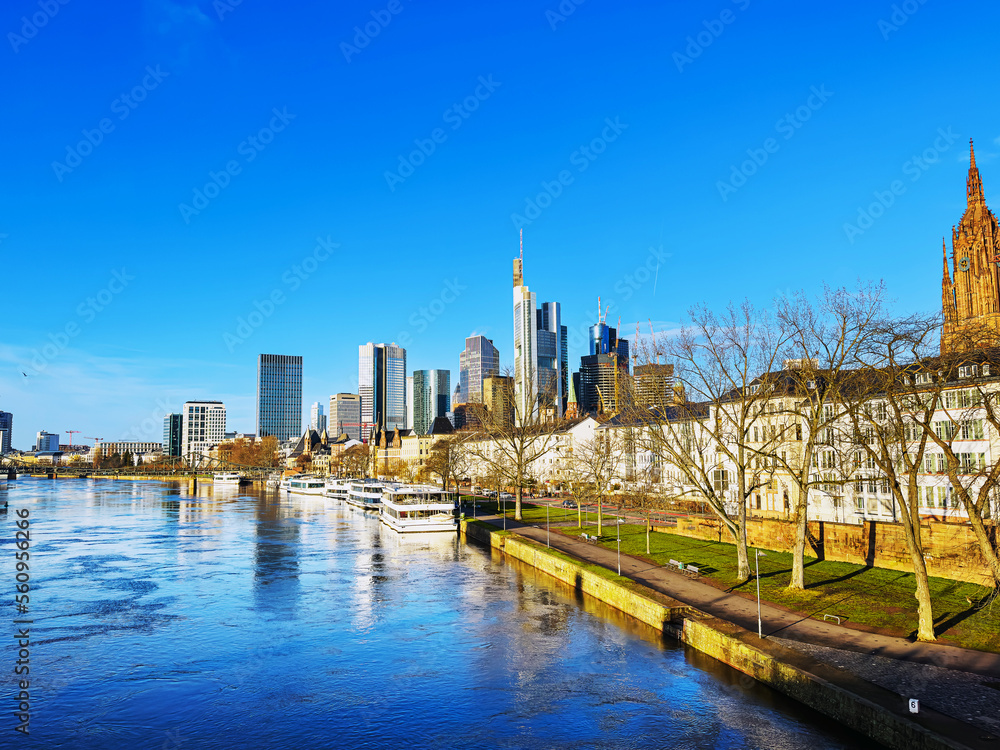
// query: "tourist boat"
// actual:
[[365, 493], [409, 508], [273, 480], [306, 485], [226, 477], [337, 489]]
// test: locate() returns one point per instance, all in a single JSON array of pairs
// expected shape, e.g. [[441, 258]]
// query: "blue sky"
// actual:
[[337, 173]]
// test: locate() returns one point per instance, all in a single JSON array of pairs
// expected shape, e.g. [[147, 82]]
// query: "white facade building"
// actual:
[[203, 426]]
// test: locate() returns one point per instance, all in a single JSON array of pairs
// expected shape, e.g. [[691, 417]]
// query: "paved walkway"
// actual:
[[743, 612]]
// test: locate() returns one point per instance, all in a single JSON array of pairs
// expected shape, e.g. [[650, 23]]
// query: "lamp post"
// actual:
[[758, 554], [618, 528]]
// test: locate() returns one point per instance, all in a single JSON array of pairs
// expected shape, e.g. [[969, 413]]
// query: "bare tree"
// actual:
[[512, 446], [706, 433], [357, 460], [449, 458], [827, 338], [595, 464]]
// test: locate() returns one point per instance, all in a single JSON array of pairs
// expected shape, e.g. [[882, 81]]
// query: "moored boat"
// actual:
[[409, 508], [306, 485], [226, 477], [365, 493]]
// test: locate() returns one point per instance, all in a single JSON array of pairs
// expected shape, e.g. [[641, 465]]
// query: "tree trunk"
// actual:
[[742, 555], [517, 502], [798, 580], [925, 611], [982, 535], [600, 510], [648, 524]]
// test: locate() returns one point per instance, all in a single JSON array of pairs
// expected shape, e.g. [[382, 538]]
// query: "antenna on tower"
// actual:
[[522, 243]]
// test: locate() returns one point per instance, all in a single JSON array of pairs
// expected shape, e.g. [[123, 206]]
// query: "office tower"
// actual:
[[602, 371], [431, 398], [345, 416], [317, 420], [498, 396], [279, 396], [479, 360], [382, 386], [46, 442], [409, 402], [203, 426], [172, 434], [6, 429], [654, 385], [539, 348], [553, 370]]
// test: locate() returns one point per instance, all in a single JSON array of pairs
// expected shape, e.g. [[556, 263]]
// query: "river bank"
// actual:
[[841, 694]]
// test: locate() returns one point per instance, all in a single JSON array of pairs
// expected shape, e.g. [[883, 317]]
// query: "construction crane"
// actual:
[[71, 433]]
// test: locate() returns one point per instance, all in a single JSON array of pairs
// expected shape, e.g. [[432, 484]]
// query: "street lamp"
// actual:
[[758, 555], [618, 528]]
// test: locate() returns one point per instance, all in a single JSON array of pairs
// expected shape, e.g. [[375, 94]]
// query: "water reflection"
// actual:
[[214, 617]]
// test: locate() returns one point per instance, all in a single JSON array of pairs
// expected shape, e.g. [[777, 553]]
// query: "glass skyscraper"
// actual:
[[478, 361], [431, 398], [172, 432], [279, 396], [6, 425], [382, 386]]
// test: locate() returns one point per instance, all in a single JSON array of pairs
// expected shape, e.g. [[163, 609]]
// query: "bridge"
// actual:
[[209, 465]]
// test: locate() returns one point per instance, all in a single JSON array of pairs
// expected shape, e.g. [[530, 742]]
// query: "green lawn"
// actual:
[[875, 598]]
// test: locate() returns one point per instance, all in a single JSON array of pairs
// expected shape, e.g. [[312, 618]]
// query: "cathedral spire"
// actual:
[[947, 275], [974, 183]]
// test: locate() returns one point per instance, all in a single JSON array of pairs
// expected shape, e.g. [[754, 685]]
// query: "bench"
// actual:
[[677, 564], [692, 570], [589, 537]]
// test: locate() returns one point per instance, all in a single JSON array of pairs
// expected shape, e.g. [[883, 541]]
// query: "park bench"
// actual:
[[676, 564], [692, 570], [589, 537]]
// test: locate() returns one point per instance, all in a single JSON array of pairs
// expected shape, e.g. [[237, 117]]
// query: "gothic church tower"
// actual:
[[970, 293]]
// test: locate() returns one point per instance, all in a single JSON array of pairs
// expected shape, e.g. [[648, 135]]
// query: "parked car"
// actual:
[[568, 503], [506, 496]]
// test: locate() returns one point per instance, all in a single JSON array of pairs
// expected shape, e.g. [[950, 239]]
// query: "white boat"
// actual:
[[273, 480], [409, 508], [226, 477], [306, 485], [365, 493], [337, 489]]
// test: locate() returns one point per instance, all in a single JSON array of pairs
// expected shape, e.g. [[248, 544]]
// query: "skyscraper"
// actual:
[[279, 396], [479, 360], [540, 378], [601, 371], [345, 416], [382, 386], [6, 428], [317, 420], [172, 434], [431, 398]]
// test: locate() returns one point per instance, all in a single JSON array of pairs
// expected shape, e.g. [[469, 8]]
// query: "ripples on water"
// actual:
[[229, 619]]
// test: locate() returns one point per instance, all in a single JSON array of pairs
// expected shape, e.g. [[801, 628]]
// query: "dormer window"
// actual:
[[811, 385], [967, 371], [924, 378]]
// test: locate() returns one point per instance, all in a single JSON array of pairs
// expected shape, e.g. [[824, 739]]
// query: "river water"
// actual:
[[240, 619]]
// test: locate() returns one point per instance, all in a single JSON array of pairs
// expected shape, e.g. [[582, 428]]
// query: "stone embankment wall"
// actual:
[[951, 549], [867, 708]]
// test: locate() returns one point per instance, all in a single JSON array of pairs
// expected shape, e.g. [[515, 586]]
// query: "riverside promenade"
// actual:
[[961, 683]]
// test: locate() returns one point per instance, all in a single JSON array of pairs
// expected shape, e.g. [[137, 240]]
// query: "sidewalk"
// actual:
[[743, 612]]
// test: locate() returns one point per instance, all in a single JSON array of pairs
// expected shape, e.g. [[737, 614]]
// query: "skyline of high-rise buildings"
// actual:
[[279, 396]]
